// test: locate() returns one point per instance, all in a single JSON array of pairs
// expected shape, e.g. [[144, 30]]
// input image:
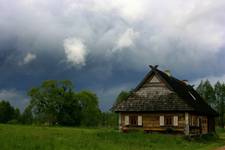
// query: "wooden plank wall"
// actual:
[[151, 121], [153, 88]]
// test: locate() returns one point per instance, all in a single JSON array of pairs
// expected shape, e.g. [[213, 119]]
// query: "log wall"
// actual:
[[151, 122]]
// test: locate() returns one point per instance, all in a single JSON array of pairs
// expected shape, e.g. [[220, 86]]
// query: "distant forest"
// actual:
[[57, 103]]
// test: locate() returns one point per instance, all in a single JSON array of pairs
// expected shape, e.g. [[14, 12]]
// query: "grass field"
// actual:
[[16, 137]]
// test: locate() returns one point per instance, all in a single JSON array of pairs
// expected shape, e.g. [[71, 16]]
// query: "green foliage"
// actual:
[[56, 102], [27, 116], [220, 101], [70, 111], [16, 114], [7, 112], [215, 96], [109, 119], [48, 99], [60, 138], [205, 89], [90, 112]]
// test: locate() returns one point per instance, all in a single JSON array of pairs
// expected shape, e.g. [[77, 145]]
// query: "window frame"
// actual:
[[133, 120], [168, 120]]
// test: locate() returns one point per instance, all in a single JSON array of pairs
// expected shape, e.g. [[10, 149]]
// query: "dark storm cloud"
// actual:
[[106, 46]]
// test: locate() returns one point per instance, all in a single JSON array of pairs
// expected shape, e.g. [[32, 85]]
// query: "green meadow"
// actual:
[[20, 137]]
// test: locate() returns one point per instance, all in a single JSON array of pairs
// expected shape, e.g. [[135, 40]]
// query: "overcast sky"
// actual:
[[107, 45]]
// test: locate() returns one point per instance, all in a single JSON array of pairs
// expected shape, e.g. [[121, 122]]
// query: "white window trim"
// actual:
[[126, 119], [161, 120], [175, 120], [198, 119], [139, 120], [119, 119]]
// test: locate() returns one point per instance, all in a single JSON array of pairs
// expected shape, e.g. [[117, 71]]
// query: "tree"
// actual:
[[200, 88], [109, 119], [90, 111], [220, 99], [215, 96], [70, 111], [49, 101], [222, 105], [7, 112], [27, 116], [205, 89], [56, 102]]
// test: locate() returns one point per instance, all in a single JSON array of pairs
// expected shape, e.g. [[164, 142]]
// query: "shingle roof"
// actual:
[[184, 98]]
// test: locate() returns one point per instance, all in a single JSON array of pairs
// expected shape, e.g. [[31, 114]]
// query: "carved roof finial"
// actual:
[[153, 67]]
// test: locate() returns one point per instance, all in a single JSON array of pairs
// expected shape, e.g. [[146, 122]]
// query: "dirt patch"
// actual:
[[221, 148]]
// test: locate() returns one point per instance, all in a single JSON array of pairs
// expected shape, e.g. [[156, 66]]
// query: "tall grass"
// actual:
[[16, 137]]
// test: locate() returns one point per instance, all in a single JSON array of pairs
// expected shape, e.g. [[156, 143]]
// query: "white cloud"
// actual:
[[169, 33], [127, 39], [28, 58], [16, 98], [130, 10], [75, 51]]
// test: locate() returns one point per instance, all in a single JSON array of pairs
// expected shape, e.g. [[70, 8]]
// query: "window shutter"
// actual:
[[139, 120], [126, 120], [119, 119], [161, 120], [198, 121], [175, 120]]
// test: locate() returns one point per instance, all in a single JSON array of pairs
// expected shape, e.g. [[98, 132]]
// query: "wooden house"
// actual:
[[162, 103]]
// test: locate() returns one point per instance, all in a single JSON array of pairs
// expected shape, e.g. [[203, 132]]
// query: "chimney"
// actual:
[[167, 72], [185, 82]]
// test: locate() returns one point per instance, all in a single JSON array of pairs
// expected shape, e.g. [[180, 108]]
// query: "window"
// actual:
[[119, 119], [168, 121], [194, 121], [133, 120]]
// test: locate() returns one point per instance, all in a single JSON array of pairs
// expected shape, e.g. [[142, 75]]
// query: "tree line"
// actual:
[[215, 97], [57, 103]]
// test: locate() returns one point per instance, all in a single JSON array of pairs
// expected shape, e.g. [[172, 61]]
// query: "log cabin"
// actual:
[[162, 103]]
